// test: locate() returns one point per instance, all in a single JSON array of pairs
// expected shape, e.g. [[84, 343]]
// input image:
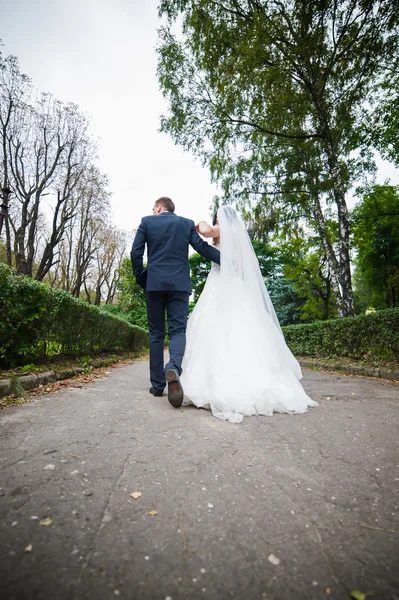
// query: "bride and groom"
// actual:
[[231, 356]]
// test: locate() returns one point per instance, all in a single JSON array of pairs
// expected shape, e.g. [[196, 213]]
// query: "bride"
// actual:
[[236, 361]]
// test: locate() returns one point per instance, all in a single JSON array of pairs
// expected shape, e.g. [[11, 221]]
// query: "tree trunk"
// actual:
[[8, 243], [326, 299], [329, 251], [19, 251], [97, 299], [346, 307]]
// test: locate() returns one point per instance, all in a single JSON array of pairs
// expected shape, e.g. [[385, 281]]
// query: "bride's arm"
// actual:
[[209, 231]]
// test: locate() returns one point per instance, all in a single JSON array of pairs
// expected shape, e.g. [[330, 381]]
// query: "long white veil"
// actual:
[[239, 265], [236, 361]]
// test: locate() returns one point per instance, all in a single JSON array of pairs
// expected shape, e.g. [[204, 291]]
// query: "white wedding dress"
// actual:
[[236, 361]]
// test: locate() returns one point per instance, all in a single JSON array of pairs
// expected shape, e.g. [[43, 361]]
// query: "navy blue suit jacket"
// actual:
[[167, 237]]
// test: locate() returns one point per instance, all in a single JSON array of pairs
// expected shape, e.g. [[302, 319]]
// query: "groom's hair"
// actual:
[[166, 203]]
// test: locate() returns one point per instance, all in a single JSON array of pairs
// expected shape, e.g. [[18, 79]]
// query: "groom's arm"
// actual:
[[203, 248], [137, 253]]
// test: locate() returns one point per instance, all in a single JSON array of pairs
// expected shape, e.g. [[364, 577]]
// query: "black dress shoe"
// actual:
[[155, 392], [175, 390]]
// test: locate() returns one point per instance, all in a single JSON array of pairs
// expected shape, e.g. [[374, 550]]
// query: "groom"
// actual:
[[166, 282]]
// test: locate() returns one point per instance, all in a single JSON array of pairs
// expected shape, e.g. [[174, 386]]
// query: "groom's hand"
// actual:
[[142, 279]]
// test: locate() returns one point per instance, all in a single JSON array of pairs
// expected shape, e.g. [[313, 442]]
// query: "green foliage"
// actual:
[[34, 319], [306, 266], [372, 336], [3, 252], [268, 258], [271, 96], [376, 238], [116, 310], [365, 298], [285, 299], [199, 269], [281, 290], [28, 367], [16, 387], [383, 130], [131, 301], [191, 307]]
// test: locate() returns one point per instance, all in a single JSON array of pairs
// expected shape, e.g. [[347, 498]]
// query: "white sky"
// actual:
[[100, 54]]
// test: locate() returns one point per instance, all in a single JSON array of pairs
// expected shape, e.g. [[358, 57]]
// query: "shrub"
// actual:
[[373, 336], [135, 313], [35, 319]]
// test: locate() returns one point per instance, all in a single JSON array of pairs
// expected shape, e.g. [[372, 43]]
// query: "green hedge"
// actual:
[[374, 336], [35, 318]]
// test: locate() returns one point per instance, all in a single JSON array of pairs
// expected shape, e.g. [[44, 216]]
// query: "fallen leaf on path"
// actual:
[[356, 595], [46, 521], [135, 495], [328, 591], [29, 548], [152, 513], [273, 559]]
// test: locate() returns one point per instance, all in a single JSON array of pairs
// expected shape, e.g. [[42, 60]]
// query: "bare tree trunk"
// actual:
[[326, 297], [346, 304], [109, 258], [48, 154], [8, 244], [57, 232], [88, 294], [329, 250], [97, 299], [111, 290]]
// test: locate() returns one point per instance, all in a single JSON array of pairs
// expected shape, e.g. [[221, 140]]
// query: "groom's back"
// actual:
[[168, 239]]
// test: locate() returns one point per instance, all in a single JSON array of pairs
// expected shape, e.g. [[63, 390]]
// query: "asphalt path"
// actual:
[[289, 506]]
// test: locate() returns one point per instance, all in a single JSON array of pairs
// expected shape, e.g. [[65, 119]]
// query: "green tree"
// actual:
[[305, 265], [282, 292], [285, 298], [130, 295], [382, 131], [272, 95], [365, 298], [199, 270], [3, 252], [376, 238], [200, 267]]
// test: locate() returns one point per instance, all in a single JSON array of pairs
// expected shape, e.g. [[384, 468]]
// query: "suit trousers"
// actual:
[[175, 305]]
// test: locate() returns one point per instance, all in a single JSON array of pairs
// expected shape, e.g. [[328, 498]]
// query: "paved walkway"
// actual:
[[282, 507]]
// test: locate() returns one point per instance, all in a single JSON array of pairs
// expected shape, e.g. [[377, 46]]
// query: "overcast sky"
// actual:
[[100, 54]]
